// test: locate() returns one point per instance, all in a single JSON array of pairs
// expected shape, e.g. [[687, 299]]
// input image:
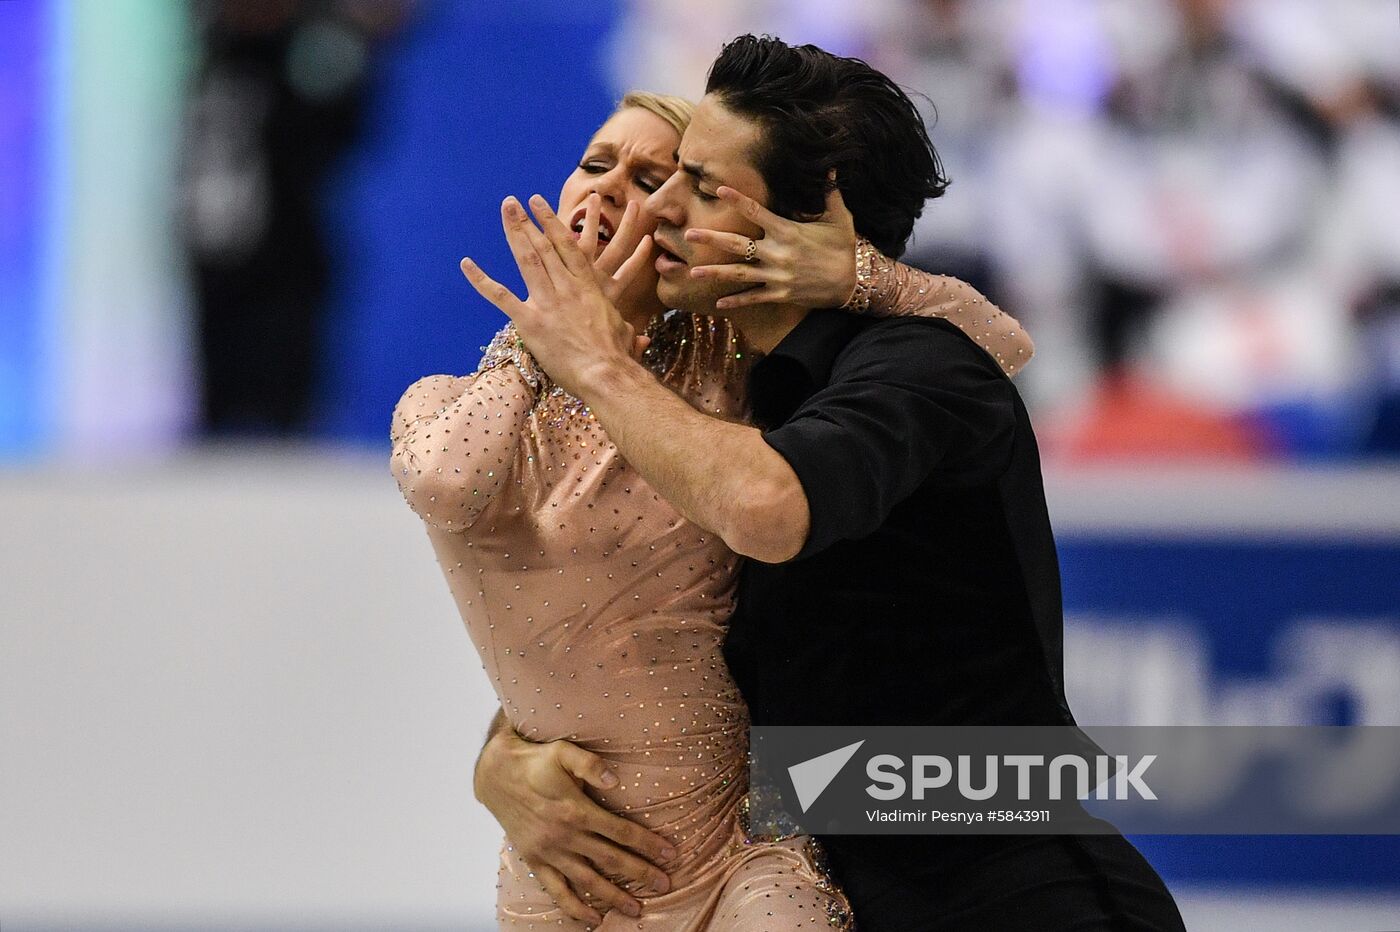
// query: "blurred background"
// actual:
[[234, 692]]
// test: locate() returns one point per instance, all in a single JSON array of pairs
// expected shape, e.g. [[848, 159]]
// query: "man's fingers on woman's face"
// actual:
[[593, 209], [585, 879], [544, 246], [629, 228], [490, 289], [557, 886], [565, 250], [523, 247], [624, 241], [640, 258]]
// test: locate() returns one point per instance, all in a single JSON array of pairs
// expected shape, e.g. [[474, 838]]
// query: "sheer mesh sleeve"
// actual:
[[886, 288], [455, 438]]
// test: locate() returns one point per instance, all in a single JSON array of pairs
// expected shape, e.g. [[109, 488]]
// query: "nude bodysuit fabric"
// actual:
[[600, 612]]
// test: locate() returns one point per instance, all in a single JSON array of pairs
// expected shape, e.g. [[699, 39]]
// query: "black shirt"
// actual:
[[928, 591]]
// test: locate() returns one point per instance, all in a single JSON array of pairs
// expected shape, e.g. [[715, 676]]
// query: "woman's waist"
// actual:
[[683, 729], [617, 659], [696, 809], [582, 605]]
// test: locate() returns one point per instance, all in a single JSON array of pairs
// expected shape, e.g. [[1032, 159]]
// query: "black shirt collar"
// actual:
[[816, 340], [799, 365]]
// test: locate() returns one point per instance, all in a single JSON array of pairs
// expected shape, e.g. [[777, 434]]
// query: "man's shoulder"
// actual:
[[916, 346], [905, 323]]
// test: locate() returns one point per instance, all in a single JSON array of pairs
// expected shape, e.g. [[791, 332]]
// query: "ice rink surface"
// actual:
[[235, 695]]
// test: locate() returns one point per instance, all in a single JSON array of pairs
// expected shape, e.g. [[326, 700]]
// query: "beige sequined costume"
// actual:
[[599, 611]]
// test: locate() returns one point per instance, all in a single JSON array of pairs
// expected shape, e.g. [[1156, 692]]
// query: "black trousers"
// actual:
[[1046, 883]]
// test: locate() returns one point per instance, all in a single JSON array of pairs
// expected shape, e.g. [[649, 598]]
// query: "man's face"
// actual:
[[717, 149]]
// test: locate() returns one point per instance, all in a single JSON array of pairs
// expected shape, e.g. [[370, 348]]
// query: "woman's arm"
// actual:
[[455, 438], [886, 288]]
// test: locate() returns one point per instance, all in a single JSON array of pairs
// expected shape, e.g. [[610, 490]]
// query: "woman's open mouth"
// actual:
[[605, 227]]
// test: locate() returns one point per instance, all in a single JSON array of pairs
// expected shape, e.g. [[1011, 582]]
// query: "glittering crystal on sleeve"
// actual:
[[506, 348], [886, 288]]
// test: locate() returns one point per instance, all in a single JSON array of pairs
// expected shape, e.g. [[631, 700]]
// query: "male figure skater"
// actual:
[[902, 568]]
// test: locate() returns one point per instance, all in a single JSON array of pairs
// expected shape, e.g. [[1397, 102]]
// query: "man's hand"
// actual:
[[571, 843], [568, 323], [632, 298]]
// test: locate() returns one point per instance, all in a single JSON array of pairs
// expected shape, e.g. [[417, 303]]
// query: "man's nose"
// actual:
[[663, 203]]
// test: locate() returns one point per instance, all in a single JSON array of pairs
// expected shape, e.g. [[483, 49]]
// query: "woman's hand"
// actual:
[[810, 264], [573, 845]]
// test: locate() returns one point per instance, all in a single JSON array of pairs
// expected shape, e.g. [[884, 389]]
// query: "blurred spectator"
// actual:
[[277, 99], [955, 57], [1340, 62], [1189, 202]]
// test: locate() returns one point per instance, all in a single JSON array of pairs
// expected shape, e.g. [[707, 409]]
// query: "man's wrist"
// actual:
[[613, 377]]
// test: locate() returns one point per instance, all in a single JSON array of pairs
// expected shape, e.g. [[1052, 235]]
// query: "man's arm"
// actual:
[[910, 398], [719, 474]]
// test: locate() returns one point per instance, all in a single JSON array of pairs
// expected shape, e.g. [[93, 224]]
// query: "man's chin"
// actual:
[[681, 294]]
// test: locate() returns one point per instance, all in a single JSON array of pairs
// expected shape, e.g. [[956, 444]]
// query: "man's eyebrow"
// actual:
[[694, 169]]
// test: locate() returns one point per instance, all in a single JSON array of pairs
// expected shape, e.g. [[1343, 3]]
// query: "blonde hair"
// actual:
[[674, 110]]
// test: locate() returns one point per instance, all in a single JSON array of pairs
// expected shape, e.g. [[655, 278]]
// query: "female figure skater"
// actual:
[[599, 611]]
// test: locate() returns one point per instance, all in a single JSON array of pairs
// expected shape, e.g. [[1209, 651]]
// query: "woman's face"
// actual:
[[629, 157]]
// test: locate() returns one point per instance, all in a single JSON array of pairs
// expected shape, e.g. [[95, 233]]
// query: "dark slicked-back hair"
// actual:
[[820, 112]]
